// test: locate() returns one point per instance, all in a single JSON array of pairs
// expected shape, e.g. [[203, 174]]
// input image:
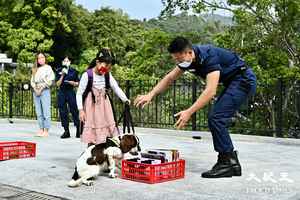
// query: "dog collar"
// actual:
[[116, 141]]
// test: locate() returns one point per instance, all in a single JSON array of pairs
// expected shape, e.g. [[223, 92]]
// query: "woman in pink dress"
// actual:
[[94, 106]]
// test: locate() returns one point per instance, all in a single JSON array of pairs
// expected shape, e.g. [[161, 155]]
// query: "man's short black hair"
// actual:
[[179, 44]]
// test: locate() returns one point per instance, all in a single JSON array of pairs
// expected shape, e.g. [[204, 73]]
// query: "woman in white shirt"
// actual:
[[41, 80], [94, 106]]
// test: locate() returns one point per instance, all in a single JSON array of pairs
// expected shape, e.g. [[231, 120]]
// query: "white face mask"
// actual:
[[185, 64], [67, 64]]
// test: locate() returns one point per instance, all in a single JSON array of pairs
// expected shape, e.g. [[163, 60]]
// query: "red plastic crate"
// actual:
[[16, 150], [156, 173]]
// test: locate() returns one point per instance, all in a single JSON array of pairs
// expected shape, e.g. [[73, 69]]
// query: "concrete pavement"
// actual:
[[271, 167]]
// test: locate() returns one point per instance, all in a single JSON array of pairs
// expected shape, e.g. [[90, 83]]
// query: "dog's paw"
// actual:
[[88, 183], [112, 175], [73, 183]]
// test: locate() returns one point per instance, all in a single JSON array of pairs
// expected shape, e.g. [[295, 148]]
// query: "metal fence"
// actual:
[[274, 111]]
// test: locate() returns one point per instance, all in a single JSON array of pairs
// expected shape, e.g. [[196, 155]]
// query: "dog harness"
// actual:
[[113, 142]]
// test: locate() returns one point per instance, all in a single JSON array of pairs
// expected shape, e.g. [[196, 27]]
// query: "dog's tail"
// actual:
[[75, 179]]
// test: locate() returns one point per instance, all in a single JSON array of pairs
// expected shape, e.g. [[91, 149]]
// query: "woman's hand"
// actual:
[[128, 102], [82, 116], [73, 83], [38, 91]]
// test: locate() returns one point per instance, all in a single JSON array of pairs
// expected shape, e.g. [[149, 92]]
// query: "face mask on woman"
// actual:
[[66, 63]]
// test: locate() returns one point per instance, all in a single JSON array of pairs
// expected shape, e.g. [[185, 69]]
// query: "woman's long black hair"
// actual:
[[104, 55]]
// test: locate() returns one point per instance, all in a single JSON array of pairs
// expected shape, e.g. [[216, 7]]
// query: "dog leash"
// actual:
[[127, 120]]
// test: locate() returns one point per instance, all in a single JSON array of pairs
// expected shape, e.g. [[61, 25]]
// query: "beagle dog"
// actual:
[[101, 157]]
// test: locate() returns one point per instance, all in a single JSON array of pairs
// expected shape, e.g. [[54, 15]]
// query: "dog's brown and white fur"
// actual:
[[98, 158]]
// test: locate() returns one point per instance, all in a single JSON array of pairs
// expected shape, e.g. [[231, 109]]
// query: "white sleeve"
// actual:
[[81, 88], [49, 79], [118, 91]]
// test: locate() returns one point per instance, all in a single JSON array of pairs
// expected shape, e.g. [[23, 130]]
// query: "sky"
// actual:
[[136, 9]]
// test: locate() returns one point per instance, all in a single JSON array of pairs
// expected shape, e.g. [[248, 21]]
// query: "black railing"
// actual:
[[274, 111]]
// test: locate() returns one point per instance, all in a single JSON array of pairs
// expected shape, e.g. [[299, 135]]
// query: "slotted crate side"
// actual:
[[157, 173], [17, 150]]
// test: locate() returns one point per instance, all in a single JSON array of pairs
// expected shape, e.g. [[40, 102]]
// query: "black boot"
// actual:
[[227, 165], [77, 132], [66, 134]]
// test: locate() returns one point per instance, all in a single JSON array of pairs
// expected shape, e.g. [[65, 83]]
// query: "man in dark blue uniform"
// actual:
[[67, 79], [216, 65]]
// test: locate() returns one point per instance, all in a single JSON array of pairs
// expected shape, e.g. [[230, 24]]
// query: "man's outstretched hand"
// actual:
[[142, 100]]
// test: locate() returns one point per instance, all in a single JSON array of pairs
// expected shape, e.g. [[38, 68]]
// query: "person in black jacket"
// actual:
[[66, 80]]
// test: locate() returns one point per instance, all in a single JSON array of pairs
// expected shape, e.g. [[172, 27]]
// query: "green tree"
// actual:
[[113, 29], [31, 25], [259, 25], [72, 43], [184, 23], [150, 60]]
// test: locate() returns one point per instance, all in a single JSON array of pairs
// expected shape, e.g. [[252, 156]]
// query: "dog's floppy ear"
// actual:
[[128, 141]]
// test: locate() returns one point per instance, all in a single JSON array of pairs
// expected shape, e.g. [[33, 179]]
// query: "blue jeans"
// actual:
[[43, 108], [226, 106]]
